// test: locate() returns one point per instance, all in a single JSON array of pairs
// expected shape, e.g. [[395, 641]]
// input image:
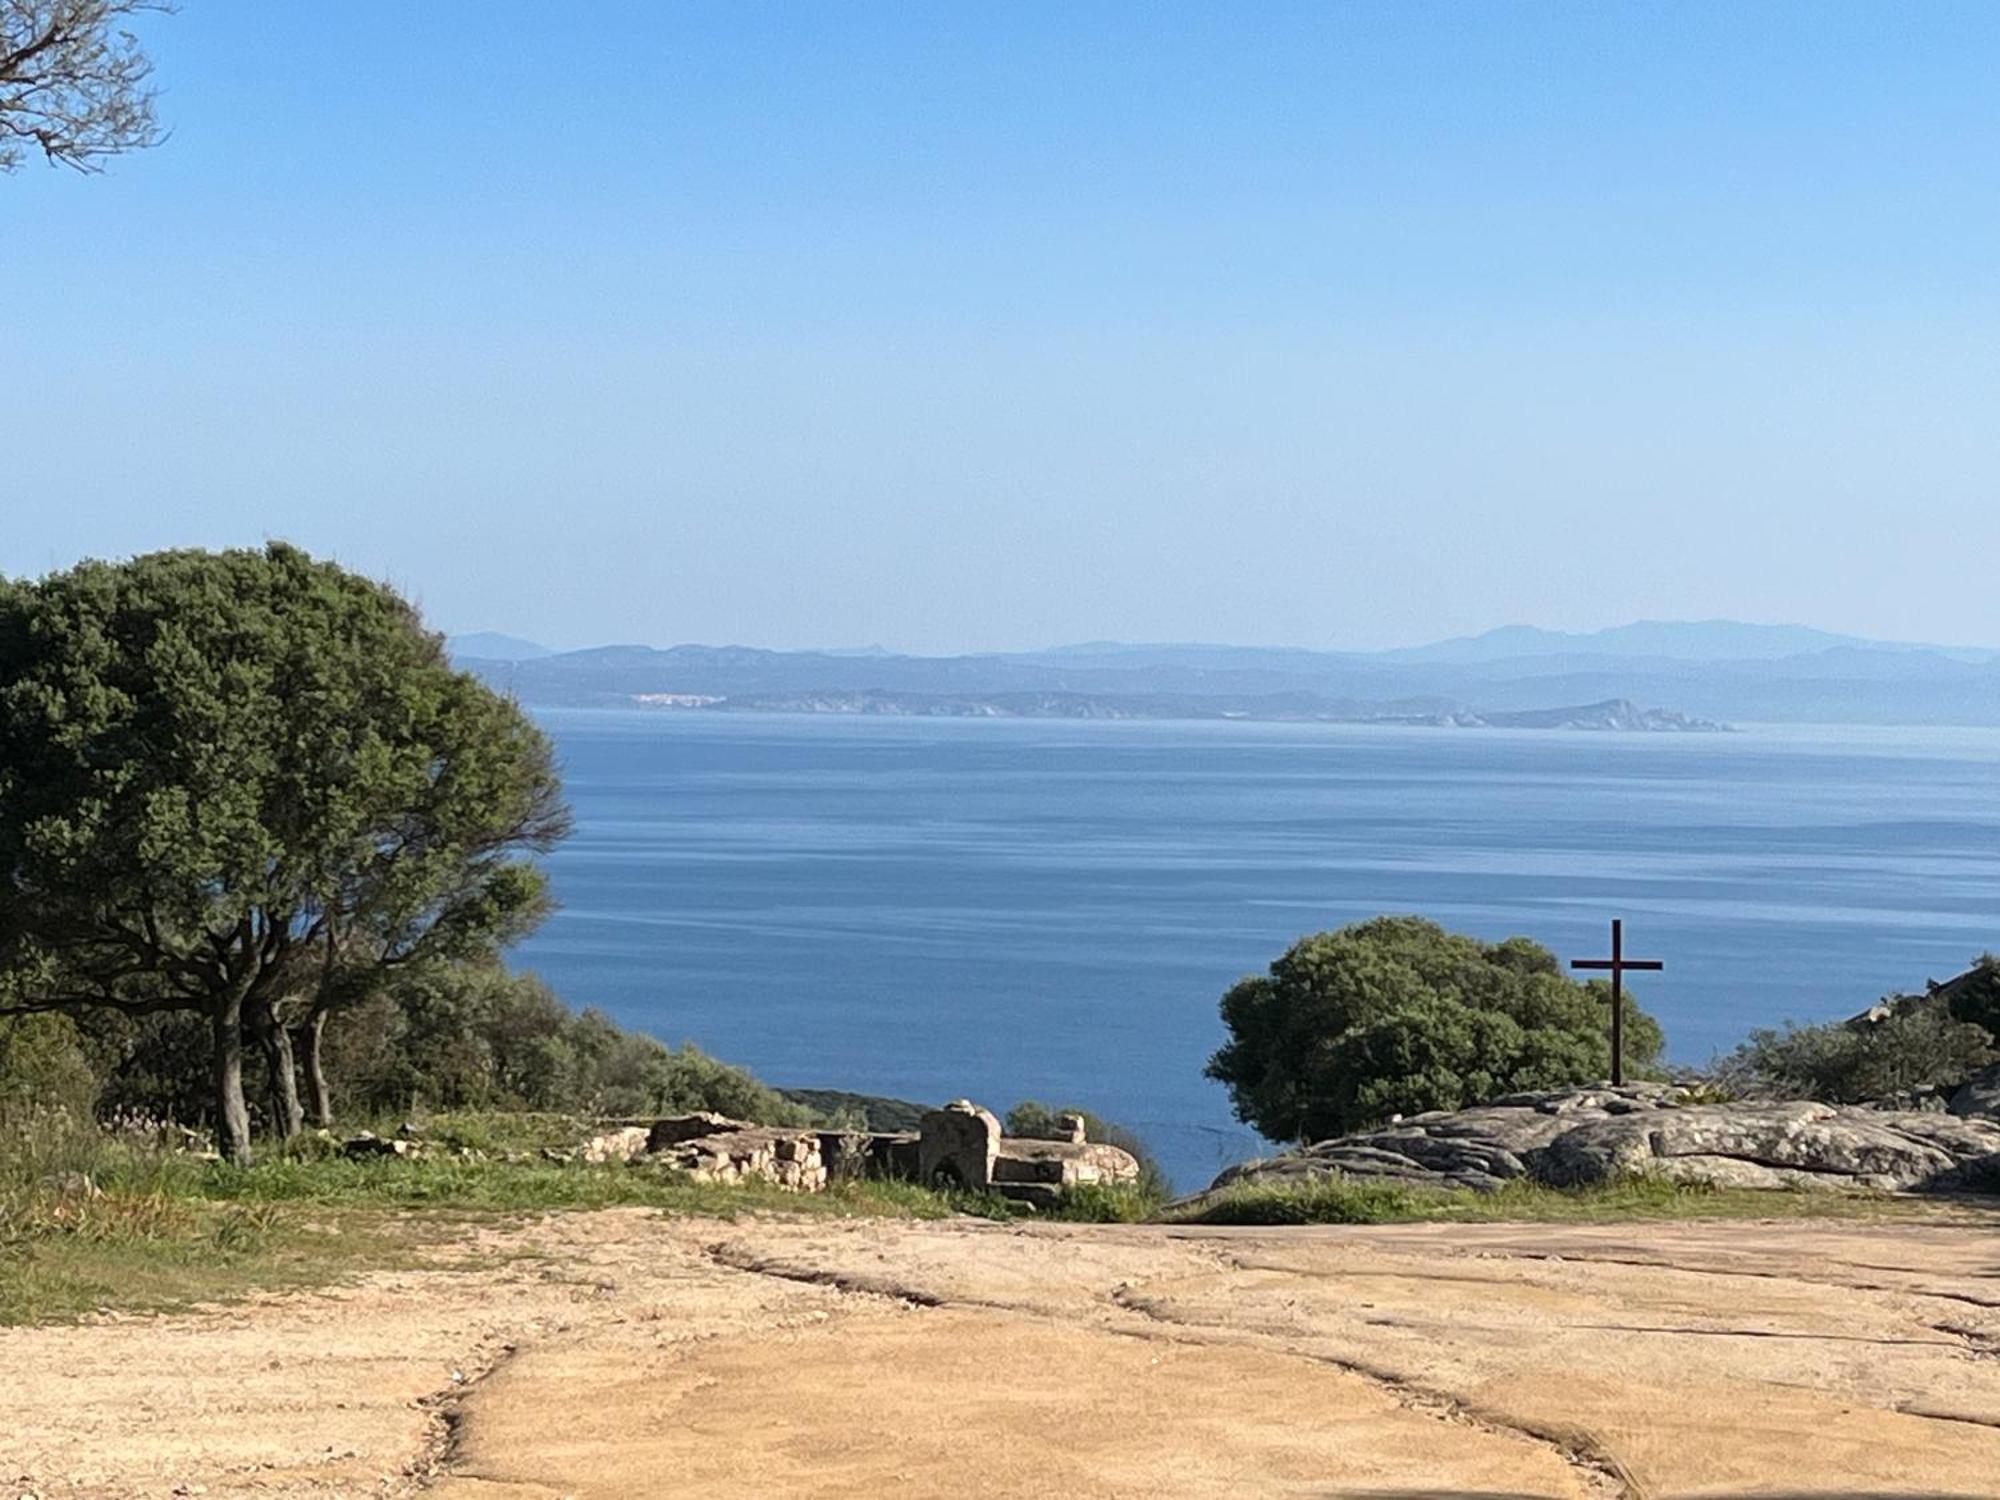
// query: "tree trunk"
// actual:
[[276, 1041], [319, 1100], [232, 1118]]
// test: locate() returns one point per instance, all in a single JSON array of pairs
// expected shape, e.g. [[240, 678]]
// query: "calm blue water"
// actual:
[[935, 908]]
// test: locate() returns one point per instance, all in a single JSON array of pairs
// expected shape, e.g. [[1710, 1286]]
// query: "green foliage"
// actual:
[[219, 772], [474, 1036], [468, 1037], [1398, 1016], [1333, 1199], [43, 1068], [1034, 1121], [1851, 1064], [1324, 1200], [1107, 1203], [1976, 1001], [837, 1107], [152, 1067]]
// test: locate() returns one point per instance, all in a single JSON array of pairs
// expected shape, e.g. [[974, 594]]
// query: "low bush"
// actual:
[[477, 1037], [465, 1037], [1107, 1203], [1339, 1200], [44, 1067], [1398, 1016], [1324, 1200], [1840, 1063]]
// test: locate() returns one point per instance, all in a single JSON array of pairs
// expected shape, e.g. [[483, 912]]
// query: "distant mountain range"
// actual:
[[487, 645], [1708, 671]]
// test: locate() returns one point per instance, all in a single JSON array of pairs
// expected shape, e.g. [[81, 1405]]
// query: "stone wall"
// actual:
[[788, 1158], [959, 1145]]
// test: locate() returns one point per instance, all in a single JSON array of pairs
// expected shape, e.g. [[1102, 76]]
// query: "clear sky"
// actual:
[[949, 326]]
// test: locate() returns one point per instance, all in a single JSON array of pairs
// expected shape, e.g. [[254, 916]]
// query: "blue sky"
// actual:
[[989, 326]]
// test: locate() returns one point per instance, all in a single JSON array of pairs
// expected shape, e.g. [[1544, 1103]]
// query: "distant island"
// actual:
[[1702, 674], [1617, 714]]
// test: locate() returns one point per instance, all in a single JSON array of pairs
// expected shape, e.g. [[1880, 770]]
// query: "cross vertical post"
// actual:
[[1618, 963]]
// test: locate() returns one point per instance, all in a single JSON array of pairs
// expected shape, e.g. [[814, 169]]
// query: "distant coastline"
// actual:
[[1615, 715], [1696, 676]]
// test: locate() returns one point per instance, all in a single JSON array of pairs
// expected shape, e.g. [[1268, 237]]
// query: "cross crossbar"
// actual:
[[1618, 965]]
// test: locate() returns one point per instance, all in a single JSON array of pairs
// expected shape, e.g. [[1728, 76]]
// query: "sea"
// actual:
[[1011, 909]]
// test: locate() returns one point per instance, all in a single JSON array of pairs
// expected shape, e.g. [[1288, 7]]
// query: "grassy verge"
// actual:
[[91, 1221], [1333, 1200]]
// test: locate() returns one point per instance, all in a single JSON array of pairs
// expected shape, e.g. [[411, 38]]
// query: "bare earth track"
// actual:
[[625, 1354]]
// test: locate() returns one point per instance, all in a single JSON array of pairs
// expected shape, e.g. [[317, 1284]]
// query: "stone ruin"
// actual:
[[960, 1146]]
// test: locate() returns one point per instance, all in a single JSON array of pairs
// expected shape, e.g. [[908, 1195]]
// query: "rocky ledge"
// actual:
[[1587, 1136]]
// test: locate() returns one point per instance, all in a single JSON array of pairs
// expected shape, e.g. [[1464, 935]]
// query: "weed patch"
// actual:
[[1339, 1200]]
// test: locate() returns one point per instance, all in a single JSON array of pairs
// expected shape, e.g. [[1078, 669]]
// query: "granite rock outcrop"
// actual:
[[1590, 1136]]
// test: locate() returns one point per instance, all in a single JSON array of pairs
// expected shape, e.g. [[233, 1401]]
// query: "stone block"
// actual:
[[958, 1144]]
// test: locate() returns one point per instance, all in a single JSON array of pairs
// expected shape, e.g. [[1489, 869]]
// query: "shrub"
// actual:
[[1107, 1203], [1324, 1200], [1397, 1016], [1846, 1064], [1976, 999], [474, 1036], [43, 1067]]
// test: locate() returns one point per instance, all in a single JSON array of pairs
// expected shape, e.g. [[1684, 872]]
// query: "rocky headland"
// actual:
[[1586, 1137]]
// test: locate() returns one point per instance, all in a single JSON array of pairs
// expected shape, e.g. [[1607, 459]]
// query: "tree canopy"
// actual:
[[222, 772], [73, 82], [1397, 1016]]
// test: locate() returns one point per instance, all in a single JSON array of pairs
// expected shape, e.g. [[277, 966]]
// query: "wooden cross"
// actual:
[[1618, 963]]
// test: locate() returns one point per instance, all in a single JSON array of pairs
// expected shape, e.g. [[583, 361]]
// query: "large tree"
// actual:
[[218, 768], [1397, 1015], [73, 82]]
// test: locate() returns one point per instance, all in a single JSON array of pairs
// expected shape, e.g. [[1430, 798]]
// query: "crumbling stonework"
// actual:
[[850, 1154], [958, 1144], [677, 1128], [788, 1158], [622, 1143], [1040, 1172], [367, 1143]]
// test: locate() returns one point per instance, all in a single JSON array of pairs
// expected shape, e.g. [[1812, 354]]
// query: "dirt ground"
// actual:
[[625, 1354]]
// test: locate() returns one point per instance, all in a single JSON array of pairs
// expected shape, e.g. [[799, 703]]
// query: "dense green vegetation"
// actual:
[[1396, 1016], [466, 1037], [246, 787], [1921, 1043]]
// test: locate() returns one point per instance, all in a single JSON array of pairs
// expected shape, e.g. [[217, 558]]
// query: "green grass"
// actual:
[[1337, 1200], [90, 1220], [1106, 1203], [133, 1257]]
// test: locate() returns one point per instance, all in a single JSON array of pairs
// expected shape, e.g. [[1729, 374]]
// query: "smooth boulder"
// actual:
[[1591, 1136]]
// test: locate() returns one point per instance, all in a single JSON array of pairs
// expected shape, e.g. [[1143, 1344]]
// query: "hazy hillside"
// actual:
[[488, 645], [1714, 670], [1679, 640]]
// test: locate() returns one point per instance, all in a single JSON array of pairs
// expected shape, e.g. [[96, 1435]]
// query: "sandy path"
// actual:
[[620, 1354]]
